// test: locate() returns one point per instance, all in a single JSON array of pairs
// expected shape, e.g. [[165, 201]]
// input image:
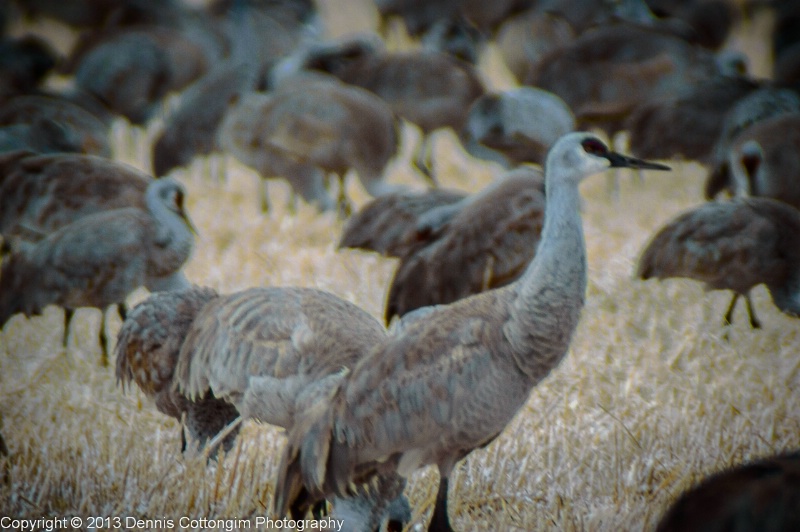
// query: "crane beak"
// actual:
[[189, 223], [183, 214], [623, 161]]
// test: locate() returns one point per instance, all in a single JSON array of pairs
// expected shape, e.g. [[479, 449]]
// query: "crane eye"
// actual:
[[594, 147]]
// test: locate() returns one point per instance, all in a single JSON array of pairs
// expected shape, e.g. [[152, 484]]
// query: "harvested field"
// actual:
[[649, 399]]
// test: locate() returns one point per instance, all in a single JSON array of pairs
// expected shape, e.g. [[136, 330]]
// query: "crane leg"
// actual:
[[729, 313], [754, 322]]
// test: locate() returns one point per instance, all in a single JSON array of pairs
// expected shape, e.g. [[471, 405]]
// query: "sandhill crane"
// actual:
[[192, 128], [760, 495], [99, 259], [263, 348], [129, 74], [266, 353], [147, 350], [764, 160], [186, 60], [383, 224], [302, 132], [453, 376], [689, 123], [487, 243], [260, 33], [516, 126], [429, 89], [526, 39], [763, 104], [39, 194], [732, 245], [607, 72]]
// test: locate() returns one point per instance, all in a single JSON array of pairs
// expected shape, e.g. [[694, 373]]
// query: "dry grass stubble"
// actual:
[[649, 399]]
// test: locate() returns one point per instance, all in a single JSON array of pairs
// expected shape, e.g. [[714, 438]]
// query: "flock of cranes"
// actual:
[[489, 287]]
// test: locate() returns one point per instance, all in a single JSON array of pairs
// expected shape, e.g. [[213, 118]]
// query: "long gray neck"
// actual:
[[550, 295], [173, 240]]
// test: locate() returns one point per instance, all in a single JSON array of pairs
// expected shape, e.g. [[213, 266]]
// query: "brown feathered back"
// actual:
[[488, 244], [78, 123], [150, 339], [263, 348], [99, 259], [383, 224], [42, 193], [732, 245], [306, 130], [429, 89]]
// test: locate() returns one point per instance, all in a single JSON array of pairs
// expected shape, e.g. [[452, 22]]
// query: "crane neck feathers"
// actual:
[[551, 293]]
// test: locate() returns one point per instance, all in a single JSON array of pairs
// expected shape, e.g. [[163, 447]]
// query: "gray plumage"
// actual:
[[487, 243], [99, 259], [129, 74], [453, 376], [40, 136], [261, 33], [759, 496], [732, 245], [607, 72], [763, 104], [185, 60], [764, 160], [383, 225], [262, 348], [526, 39], [306, 130], [192, 128], [429, 89], [266, 353], [147, 349], [82, 131], [687, 124], [40, 194], [516, 126], [584, 15], [371, 506]]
